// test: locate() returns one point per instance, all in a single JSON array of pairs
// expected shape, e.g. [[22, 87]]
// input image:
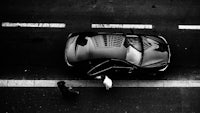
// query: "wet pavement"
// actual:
[[66, 73], [98, 99], [116, 100], [38, 54]]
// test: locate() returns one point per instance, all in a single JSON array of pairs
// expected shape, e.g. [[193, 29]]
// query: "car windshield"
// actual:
[[135, 42]]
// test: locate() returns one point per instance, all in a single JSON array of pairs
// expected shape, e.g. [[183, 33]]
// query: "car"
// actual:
[[107, 52]]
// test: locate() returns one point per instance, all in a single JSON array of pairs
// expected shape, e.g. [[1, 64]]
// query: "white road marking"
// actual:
[[115, 26], [123, 26], [34, 25], [98, 83], [189, 27]]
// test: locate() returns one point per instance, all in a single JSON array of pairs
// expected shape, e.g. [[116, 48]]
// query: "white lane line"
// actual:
[[123, 26], [189, 27], [97, 83], [34, 25]]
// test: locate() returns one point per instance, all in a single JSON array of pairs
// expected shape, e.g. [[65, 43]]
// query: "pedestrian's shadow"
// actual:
[[68, 93]]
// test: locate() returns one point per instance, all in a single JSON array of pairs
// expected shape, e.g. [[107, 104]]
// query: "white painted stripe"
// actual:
[[34, 25], [189, 27], [97, 83], [123, 26]]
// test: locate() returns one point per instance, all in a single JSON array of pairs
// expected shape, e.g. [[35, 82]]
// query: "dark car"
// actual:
[[117, 51]]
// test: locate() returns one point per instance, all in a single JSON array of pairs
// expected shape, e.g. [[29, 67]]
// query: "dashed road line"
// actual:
[[34, 25], [98, 83], [189, 27], [123, 26], [106, 26]]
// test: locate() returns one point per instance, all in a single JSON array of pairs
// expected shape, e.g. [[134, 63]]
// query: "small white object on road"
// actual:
[[107, 82]]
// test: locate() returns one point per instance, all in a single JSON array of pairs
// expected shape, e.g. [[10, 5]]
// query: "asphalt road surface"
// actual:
[[29, 53], [98, 100], [45, 46]]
